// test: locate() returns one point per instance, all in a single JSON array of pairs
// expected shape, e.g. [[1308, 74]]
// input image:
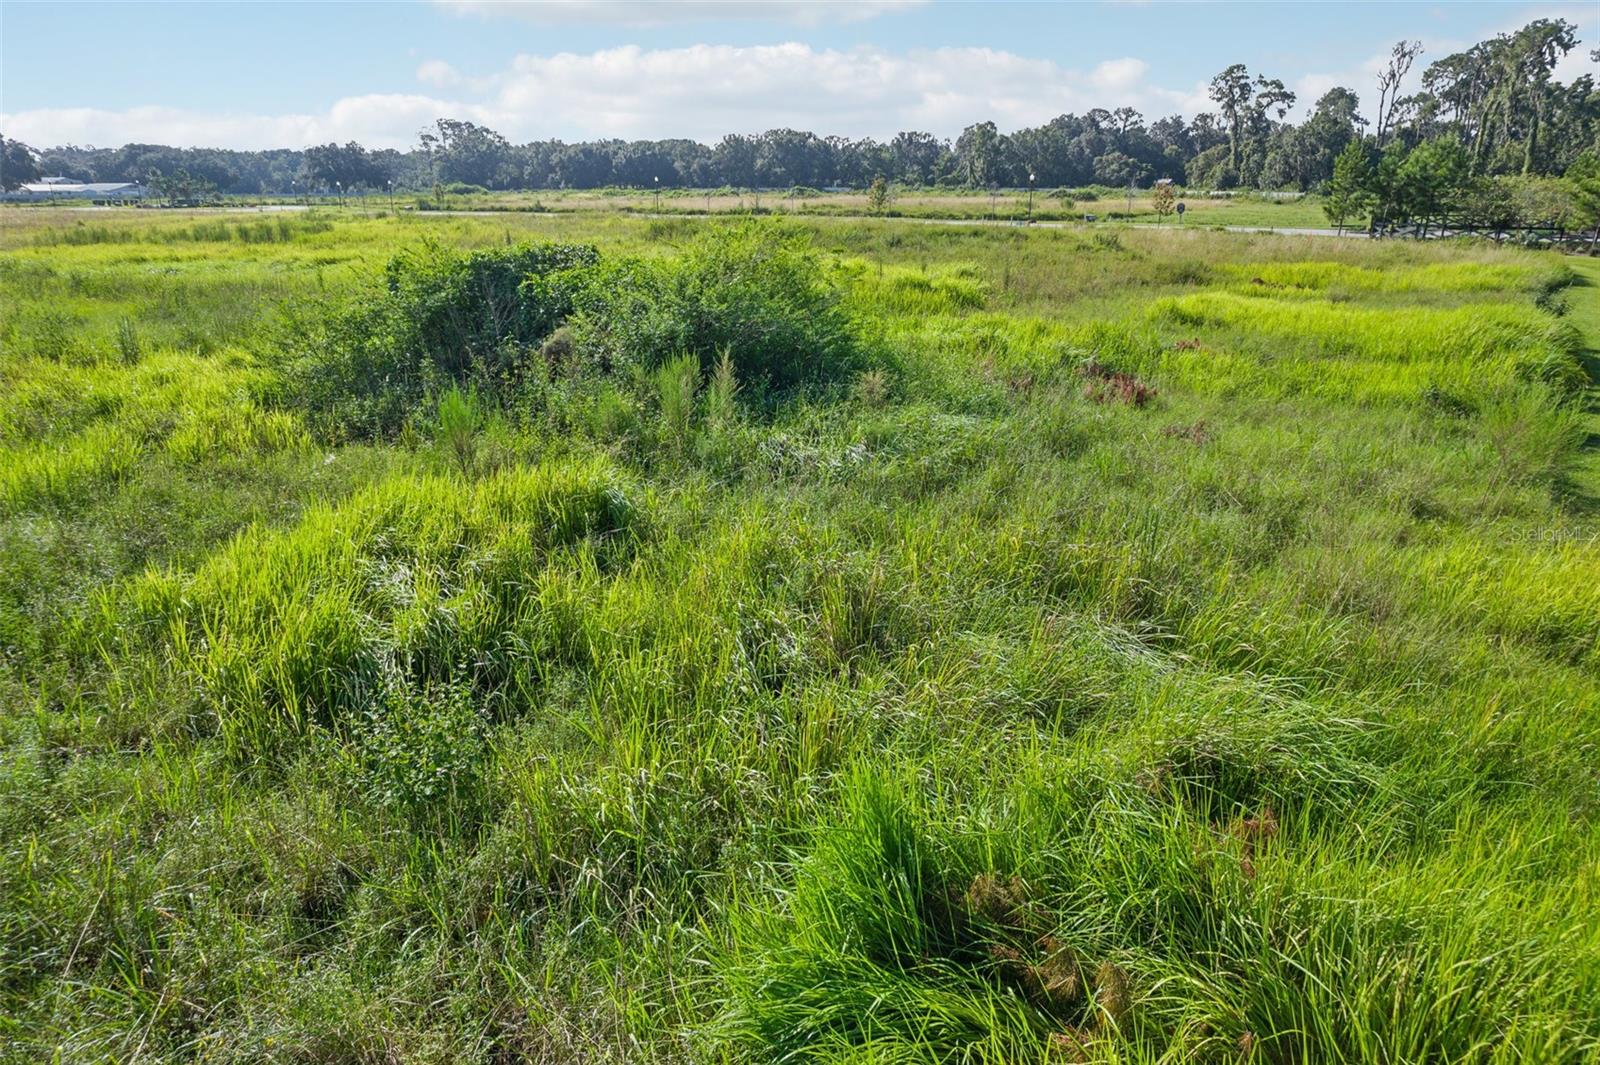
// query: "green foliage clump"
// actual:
[[443, 317], [446, 318], [460, 309], [420, 749], [757, 292], [459, 419]]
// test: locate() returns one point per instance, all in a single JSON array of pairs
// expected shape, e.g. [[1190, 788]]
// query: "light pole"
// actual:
[[657, 180], [391, 195], [338, 192], [1030, 197]]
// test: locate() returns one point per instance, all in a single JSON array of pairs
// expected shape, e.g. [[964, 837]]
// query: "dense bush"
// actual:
[[758, 292], [444, 317], [447, 318], [458, 310]]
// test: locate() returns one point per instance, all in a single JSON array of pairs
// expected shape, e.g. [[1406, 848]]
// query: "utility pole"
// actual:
[[657, 180], [1031, 177]]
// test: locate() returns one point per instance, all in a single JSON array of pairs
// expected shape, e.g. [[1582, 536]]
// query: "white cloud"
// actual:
[[441, 75], [651, 13], [701, 91], [438, 72], [378, 121], [1119, 75]]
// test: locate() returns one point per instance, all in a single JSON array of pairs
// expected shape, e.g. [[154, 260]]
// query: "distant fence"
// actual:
[[1548, 234]]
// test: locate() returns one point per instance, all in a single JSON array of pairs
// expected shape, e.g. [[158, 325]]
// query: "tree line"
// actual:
[[1497, 101]]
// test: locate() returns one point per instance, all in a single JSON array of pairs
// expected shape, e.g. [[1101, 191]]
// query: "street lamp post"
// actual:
[[338, 192], [1031, 177], [657, 180], [391, 195]]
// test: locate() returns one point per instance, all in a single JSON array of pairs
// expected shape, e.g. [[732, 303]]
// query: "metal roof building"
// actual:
[[60, 189]]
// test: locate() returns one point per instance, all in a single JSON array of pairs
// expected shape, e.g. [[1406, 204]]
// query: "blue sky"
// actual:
[[253, 75]]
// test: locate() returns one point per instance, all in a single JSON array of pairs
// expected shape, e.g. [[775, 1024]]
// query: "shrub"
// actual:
[[461, 308], [676, 381], [757, 291], [722, 391], [460, 417], [420, 749], [443, 318]]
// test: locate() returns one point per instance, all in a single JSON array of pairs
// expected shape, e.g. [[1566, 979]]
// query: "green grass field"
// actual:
[[1008, 205], [992, 645], [1000, 206]]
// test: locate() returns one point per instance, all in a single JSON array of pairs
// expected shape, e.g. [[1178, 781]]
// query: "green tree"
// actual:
[[1247, 106], [878, 195], [1302, 156], [1348, 195], [349, 165], [1432, 179], [915, 156], [1538, 47], [1584, 176], [1164, 200], [181, 187], [1231, 92], [17, 164], [1118, 168], [1501, 98], [978, 154], [469, 154]]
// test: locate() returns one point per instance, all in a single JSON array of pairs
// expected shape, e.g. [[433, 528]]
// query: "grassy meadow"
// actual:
[[1202, 209], [1002, 205], [579, 636]]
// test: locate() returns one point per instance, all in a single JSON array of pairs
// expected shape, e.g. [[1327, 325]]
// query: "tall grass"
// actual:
[[285, 630], [941, 707]]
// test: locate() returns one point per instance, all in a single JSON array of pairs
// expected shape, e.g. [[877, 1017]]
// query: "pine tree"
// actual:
[[1348, 197]]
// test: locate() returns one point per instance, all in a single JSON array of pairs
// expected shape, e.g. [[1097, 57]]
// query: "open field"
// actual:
[[1049, 205], [1119, 644], [1004, 204]]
